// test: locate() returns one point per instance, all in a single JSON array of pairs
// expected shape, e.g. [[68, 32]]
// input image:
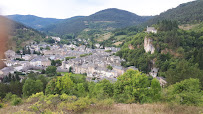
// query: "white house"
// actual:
[[97, 45], [56, 38], [18, 67], [27, 57], [151, 29], [154, 72]]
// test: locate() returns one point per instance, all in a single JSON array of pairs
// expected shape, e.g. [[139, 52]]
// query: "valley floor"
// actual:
[[116, 109]]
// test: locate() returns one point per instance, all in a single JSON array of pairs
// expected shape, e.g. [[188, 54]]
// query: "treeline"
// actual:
[[72, 92]]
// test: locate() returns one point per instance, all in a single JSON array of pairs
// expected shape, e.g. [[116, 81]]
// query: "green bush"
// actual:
[[186, 92], [1, 105], [65, 97], [36, 97], [16, 101], [105, 103], [80, 104], [8, 97]]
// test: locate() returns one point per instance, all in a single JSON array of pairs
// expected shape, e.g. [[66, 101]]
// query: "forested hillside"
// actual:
[[34, 21], [108, 19], [20, 35], [191, 12], [178, 53]]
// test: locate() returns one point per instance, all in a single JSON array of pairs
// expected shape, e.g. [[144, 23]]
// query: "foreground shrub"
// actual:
[[132, 87], [1, 105], [67, 98], [186, 92], [79, 105], [36, 97], [105, 103], [31, 87], [8, 97], [16, 101]]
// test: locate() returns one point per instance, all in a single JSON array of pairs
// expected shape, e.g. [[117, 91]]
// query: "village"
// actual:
[[95, 63]]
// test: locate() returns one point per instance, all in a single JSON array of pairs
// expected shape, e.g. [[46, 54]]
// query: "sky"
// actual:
[[62, 9]]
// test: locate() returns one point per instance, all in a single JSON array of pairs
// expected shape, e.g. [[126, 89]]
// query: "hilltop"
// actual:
[[107, 19]]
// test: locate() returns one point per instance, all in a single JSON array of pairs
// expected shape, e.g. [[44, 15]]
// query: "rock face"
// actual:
[[131, 47], [148, 45]]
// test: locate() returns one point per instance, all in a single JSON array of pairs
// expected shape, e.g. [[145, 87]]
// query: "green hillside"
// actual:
[[178, 53], [34, 21], [20, 35], [185, 13], [105, 20]]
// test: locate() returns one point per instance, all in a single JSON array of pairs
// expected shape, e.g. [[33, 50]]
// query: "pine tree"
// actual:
[[17, 77]]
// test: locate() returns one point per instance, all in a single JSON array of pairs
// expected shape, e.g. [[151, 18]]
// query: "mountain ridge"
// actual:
[[33, 21], [108, 18]]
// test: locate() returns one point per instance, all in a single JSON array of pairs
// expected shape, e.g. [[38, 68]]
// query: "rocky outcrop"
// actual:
[[130, 46], [148, 46]]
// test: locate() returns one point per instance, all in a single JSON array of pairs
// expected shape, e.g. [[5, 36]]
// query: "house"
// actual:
[[11, 62], [151, 29], [35, 62], [26, 57], [113, 49], [25, 64], [40, 61], [162, 81], [10, 54], [6, 70], [97, 45], [154, 72], [45, 62], [56, 38], [17, 67], [119, 69], [132, 67]]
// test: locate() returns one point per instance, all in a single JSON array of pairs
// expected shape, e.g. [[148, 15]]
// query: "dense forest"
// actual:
[[190, 12]]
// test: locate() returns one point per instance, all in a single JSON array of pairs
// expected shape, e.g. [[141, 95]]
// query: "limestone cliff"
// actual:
[[148, 46]]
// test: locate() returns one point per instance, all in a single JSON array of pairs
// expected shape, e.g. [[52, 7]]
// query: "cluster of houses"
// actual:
[[94, 63]]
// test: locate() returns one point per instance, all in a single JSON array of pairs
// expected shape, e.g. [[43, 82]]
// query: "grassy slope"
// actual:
[[117, 109]]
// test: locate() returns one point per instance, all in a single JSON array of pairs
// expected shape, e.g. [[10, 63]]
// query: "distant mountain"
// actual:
[[185, 13], [107, 19], [70, 25], [34, 21]]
